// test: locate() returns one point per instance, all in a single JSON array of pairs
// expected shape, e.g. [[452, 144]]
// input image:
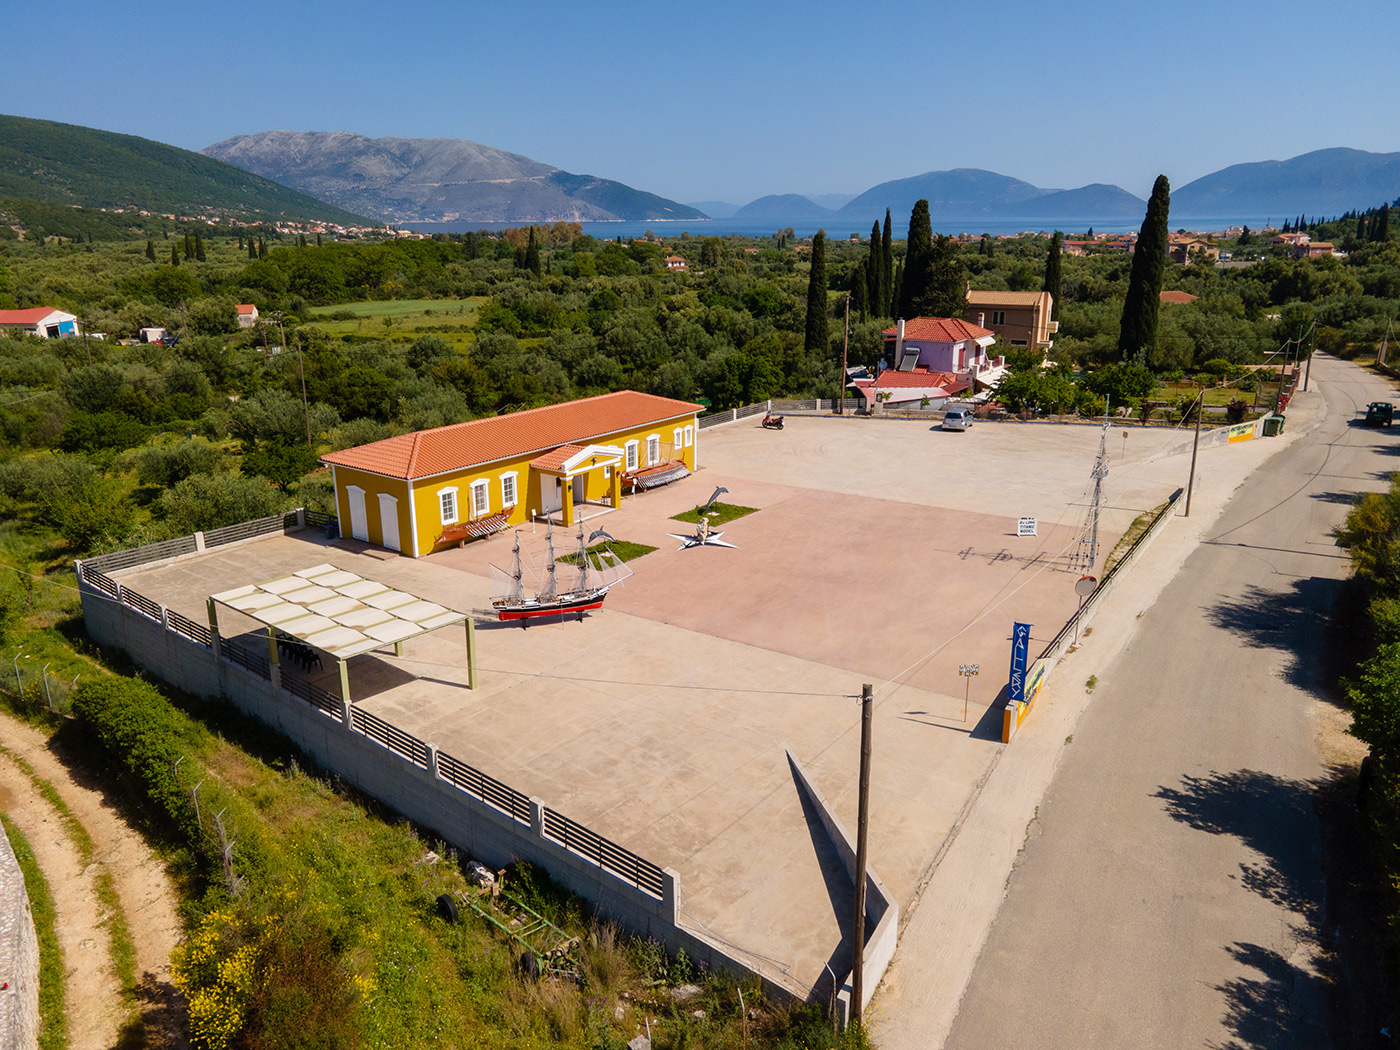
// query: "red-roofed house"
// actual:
[[675, 262], [1019, 318], [247, 315], [938, 344], [918, 388], [417, 492], [43, 321]]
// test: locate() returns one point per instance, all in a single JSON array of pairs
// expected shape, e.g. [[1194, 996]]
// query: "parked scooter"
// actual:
[[773, 422]]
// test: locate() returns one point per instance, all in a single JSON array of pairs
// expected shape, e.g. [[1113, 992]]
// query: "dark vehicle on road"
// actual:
[[1380, 414]]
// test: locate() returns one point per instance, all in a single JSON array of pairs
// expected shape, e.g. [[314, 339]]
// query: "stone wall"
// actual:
[[19, 958]]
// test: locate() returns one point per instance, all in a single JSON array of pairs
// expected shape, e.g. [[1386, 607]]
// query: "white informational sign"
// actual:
[[1026, 527]]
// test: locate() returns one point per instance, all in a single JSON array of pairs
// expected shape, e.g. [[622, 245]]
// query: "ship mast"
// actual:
[[582, 584], [551, 587], [519, 574]]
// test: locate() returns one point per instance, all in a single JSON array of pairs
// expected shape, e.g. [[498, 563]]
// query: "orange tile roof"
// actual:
[[976, 297], [426, 453], [938, 330], [555, 460], [891, 379], [1177, 297], [33, 315]]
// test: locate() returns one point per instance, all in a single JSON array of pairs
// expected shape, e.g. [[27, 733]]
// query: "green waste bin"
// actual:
[[1273, 425]]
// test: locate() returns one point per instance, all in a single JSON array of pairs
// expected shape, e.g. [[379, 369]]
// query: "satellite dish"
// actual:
[[1085, 586]]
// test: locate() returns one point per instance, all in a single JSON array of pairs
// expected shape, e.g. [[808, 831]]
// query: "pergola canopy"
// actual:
[[338, 612]]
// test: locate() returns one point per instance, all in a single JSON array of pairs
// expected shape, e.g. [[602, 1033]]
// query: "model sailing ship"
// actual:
[[586, 591]]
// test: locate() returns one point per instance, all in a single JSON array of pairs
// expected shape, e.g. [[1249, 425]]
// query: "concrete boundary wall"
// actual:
[[19, 958], [1015, 712], [881, 909], [1228, 435], [417, 792]]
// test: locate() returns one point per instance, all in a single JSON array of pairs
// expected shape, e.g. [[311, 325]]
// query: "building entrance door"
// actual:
[[359, 523]]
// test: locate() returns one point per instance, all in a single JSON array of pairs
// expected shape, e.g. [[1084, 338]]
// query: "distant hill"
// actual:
[[1097, 201], [963, 193], [437, 180], [1326, 182], [831, 201], [715, 209], [65, 164], [783, 206]]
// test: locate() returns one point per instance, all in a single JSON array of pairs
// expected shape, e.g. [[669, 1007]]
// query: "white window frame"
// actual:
[[998, 317], [689, 434], [510, 494], [456, 511], [678, 439], [653, 449], [481, 498], [632, 454]]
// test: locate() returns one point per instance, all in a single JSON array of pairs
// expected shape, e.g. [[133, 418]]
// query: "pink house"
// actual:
[[937, 344]]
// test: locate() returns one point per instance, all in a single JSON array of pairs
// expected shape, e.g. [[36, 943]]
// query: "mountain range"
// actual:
[[67, 165], [437, 180], [340, 177]]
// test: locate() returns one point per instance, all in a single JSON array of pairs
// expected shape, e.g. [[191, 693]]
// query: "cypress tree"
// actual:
[[917, 248], [252, 249], [199, 248], [875, 272], [818, 332], [897, 282], [1383, 223], [262, 248], [532, 255], [860, 290], [174, 256], [985, 249], [1137, 335], [318, 240], [1052, 273], [1361, 228], [151, 250], [189, 247], [240, 242], [889, 290]]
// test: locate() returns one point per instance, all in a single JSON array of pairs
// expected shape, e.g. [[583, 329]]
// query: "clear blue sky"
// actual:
[[718, 100]]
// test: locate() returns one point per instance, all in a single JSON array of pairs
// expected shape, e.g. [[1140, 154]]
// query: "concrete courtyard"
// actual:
[[881, 551]]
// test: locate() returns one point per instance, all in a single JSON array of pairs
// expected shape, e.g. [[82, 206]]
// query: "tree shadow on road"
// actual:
[[1275, 1009], [1286, 1005], [1295, 621]]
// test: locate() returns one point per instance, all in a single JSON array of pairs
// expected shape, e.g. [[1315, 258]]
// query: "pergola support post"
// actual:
[[471, 653], [213, 608], [274, 667], [344, 687]]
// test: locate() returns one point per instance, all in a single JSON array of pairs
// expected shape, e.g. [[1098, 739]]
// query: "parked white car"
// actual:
[[957, 419]]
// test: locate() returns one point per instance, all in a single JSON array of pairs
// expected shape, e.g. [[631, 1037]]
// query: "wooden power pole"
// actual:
[[845, 345], [867, 703]]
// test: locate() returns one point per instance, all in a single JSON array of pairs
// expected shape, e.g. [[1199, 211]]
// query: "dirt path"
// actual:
[[148, 898]]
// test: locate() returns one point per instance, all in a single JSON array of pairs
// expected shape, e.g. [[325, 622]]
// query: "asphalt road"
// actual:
[[1170, 891]]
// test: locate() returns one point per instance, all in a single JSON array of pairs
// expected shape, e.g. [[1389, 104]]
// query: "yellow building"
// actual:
[[420, 492]]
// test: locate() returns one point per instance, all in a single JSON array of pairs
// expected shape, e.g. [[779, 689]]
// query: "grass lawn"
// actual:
[[624, 549], [399, 319], [720, 514]]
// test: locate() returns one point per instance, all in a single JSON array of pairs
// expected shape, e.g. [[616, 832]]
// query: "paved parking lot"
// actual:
[[882, 551]]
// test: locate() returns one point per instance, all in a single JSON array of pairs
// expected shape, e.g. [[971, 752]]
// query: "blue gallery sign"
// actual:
[[1020, 650]]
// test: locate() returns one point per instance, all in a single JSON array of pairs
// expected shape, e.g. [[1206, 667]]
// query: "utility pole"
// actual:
[[867, 703], [305, 407], [845, 345], [1195, 444]]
